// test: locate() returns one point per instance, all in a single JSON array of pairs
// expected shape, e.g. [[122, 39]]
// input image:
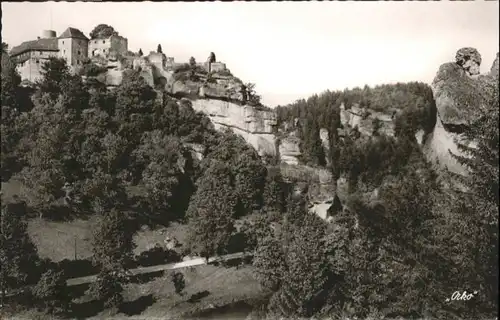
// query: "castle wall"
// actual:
[[65, 49], [157, 59], [102, 47], [73, 50], [99, 47], [214, 66], [31, 69], [217, 66], [79, 51], [119, 44]]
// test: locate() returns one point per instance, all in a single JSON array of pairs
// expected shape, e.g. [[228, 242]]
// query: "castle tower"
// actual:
[[73, 46]]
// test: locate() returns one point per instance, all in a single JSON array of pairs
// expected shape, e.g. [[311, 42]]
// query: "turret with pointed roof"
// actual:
[[73, 46], [73, 33]]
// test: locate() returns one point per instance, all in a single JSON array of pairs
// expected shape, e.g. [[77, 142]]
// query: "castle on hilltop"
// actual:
[[72, 45], [75, 48]]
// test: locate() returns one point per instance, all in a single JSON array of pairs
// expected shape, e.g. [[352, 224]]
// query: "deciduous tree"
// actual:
[[192, 62], [51, 291], [10, 82], [54, 71], [211, 211], [102, 31], [18, 254], [113, 242]]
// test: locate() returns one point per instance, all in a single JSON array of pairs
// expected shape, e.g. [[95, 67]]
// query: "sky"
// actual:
[[290, 50]]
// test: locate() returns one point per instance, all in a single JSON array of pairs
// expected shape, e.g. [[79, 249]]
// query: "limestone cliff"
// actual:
[[255, 126], [289, 150], [218, 94], [459, 91], [366, 120]]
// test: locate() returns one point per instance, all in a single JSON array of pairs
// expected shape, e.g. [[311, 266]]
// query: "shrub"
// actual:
[[179, 283], [90, 69], [51, 292], [182, 67]]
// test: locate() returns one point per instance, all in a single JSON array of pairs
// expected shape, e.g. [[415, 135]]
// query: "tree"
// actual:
[[10, 137], [112, 242], [18, 254], [179, 283], [211, 58], [51, 291], [74, 95], [102, 31], [158, 49], [211, 212], [246, 166], [478, 205], [108, 288], [140, 53], [10, 82], [274, 191], [134, 98], [49, 147], [101, 192], [312, 145], [249, 182], [5, 48], [90, 69], [159, 155], [269, 262], [192, 62], [251, 94], [294, 264], [54, 70], [113, 251]]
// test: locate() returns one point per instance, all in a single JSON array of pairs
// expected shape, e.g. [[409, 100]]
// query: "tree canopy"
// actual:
[[102, 31]]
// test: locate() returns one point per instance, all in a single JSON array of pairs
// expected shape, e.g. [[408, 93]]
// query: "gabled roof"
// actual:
[[40, 44], [73, 33]]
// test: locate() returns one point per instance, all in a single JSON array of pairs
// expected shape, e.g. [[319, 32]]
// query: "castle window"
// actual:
[[37, 61], [95, 41], [103, 41], [64, 51], [63, 42], [79, 53]]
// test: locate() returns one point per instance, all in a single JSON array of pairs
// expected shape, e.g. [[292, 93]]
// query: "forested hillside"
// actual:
[[400, 245]]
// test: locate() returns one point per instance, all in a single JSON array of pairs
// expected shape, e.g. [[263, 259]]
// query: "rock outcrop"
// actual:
[[494, 69], [367, 121], [289, 150], [145, 68], [219, 95], [459, 91], [469, 60], [255, 126], [325, 142]]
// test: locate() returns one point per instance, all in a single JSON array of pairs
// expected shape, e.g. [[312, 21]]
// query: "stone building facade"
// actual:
[[103, 46], [213, 66], [72, 45]]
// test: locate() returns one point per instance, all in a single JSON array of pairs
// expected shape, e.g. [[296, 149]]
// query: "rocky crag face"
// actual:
[[459, 91]]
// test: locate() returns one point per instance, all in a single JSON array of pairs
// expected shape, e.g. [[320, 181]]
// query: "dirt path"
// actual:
[[169, 266]]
